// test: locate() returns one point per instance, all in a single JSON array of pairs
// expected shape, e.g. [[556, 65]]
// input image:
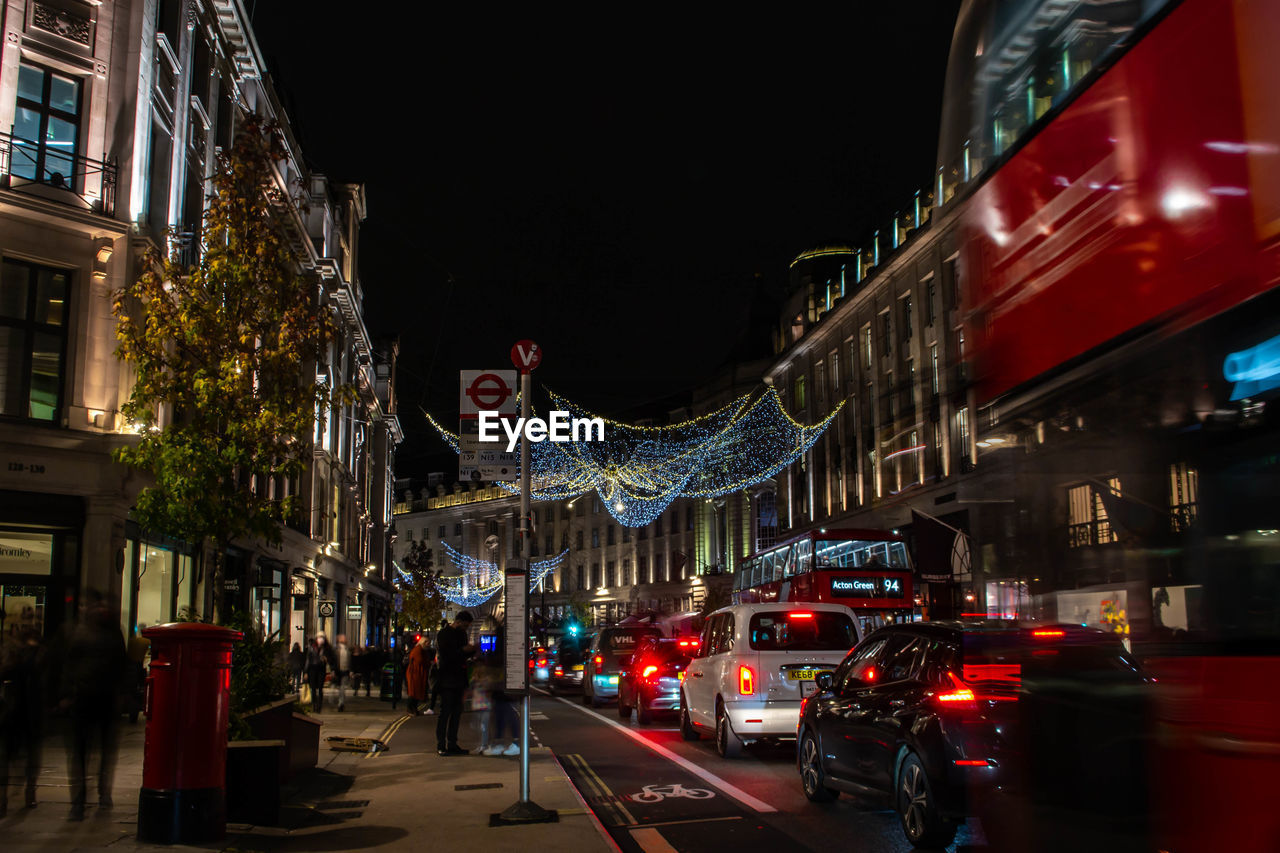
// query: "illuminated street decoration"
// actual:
[[479, 580], [638, 471]]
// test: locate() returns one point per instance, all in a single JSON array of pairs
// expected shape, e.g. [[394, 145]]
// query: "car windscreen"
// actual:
[[667, 651], [801, 631]]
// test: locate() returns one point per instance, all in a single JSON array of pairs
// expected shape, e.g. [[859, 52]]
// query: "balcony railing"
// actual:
[[28, 166]]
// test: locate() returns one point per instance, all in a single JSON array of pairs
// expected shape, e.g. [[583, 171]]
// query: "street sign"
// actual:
[[485, 391], [354, 611], [515, 590], [327, 608], [526, 355]]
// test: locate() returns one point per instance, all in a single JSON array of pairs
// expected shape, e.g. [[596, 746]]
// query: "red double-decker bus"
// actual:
[[868, 571]]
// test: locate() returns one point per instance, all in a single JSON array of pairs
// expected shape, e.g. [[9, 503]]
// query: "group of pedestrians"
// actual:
[[83, 677], [354, 668]]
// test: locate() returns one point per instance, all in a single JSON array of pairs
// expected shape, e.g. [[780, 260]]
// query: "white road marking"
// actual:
[[705, 775], [651, 841]]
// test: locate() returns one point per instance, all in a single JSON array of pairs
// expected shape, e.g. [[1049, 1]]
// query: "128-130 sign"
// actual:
[[878, 586]]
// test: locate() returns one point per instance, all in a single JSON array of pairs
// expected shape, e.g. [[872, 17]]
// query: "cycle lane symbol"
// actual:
[[658, 793]]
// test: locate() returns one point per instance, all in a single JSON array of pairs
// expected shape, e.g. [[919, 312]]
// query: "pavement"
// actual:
[[399, 799]]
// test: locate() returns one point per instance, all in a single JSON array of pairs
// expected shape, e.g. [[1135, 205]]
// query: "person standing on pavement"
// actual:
[[342, 655], [21, 710], [454, 647], [93, 674], [297, 659], [421, 657]]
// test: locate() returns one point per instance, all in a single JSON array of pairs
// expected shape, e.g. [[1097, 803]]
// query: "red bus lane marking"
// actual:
[[707, 776]]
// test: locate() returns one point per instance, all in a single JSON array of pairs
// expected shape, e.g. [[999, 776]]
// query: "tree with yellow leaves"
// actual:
[[228, 349]]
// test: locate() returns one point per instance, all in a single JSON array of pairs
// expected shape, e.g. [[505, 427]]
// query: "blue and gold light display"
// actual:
[[638, 471], [479, 580]]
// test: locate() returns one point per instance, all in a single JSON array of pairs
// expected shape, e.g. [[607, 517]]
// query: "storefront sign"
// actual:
[[354, 611], [26, 553], [327, 608], [866, 587]]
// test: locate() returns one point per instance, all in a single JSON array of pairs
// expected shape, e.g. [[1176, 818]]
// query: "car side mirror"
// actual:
[[826, 681]]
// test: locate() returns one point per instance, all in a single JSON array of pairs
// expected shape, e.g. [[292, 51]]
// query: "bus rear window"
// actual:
[[801, 631]]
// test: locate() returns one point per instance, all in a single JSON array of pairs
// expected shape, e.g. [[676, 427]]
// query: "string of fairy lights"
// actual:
[[479, 580], [639, 470]]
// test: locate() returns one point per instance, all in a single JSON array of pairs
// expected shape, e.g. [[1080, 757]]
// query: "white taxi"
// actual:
[[756, 662]]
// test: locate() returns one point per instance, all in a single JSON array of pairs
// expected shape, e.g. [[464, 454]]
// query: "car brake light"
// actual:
[[599, 662], [959, 694], [542, 662], [972, 762], [681, 674], [800, 615], [746, 681], [648, 671], [559, 670], [1048, 633]]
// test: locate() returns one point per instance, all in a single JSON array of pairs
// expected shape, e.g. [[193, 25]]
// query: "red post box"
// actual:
[[184, 765]]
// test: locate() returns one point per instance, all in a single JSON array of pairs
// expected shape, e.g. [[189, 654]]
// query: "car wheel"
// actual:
[[921, 822], [687, 731], [811, 776], [586, 698], [624, 710], [643, 715], [727, 743]]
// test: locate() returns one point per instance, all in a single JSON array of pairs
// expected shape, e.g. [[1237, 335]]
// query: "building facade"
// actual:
[[116, 113]]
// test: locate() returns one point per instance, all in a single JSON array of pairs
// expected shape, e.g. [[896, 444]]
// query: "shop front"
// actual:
[[39, 558]]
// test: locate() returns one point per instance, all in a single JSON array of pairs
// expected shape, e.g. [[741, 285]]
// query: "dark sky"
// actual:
[[619, 190]]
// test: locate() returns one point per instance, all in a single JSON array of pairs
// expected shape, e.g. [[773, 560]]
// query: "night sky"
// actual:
[[621, 191]]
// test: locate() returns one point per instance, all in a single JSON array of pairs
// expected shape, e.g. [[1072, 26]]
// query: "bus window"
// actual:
[[804, 556]]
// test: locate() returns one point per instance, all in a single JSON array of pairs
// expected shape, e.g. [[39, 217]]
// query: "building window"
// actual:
[[886, 334], [46, 127], [551, 544], [820, 385], [33, 339], [580, 508], [611, 534], [1087, 522], [962, 430], [766, 520], [657, 527], [932, 295], [933, 366], [642, 533], [626, 573], [907, 329], [642, 569], [799, 394], [688, 518], [595, 575], [595, 537], [626, 534], [457, 528], [610, 574], [440, 533], [835, 375], [1184, 496], [578, 536], [659, 568], [582, 580], [867, 355]]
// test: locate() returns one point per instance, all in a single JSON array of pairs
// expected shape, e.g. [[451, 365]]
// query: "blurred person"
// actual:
[[395, 660], [357, 669], [318, 663], [484, 680], [453, 649], [502, 714], [297, 660], [421, 658], [139, 651], [342, 655], [22, 664], [373, 660], [93, 673]]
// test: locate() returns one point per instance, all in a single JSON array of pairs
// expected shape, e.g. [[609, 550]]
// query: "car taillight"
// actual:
[[688, 644], [599, 662], [542, 662], [1048, 633], [960, 695], [559, 670], [746, 681], [530, 663], [648, 671], [800, 615]]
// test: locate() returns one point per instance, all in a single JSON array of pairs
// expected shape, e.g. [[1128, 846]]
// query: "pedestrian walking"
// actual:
[[92, 676], [318, 656], [502, 713], [22, 665], [484, 680], [421, 658], [453, 650], [297, 659], [342, 654]]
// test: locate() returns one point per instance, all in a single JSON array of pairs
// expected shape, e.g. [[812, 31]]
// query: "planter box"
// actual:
[[303, 743], [253, 781]]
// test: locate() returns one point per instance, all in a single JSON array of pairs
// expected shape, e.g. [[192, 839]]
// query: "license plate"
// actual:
[[613, 679], [804, 674], [577, 667]]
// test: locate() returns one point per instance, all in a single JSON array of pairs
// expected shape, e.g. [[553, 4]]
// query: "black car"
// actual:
[[650, 682], [567, 663], [1020, 724]]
